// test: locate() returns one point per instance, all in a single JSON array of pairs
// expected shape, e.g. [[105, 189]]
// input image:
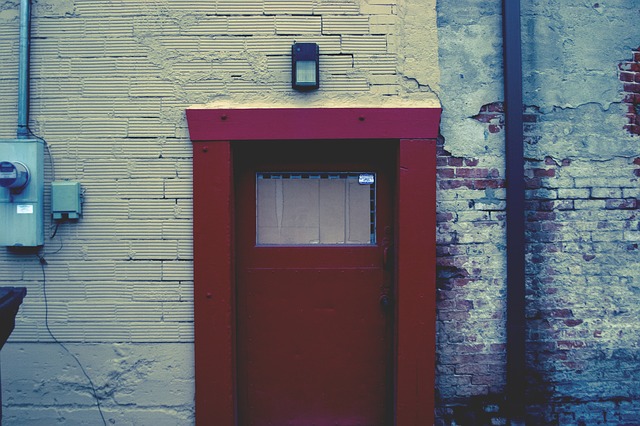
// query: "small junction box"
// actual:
[[66, 200]]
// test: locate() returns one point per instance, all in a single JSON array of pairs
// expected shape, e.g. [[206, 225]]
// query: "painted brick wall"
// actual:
[[582, 227], [582, 298], [110, 83], [471, 363]]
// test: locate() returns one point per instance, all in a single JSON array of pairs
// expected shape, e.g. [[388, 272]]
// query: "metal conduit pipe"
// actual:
[[23, 69], [514, 147]]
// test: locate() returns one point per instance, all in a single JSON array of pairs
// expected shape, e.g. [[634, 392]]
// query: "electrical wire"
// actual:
[[55, 231], [46, 145], [53, 177], [43, 262]]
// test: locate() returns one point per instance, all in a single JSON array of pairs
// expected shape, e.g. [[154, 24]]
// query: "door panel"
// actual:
[[314, 343], [308, 369]]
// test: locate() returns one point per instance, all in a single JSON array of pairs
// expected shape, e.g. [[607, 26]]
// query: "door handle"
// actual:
[[385, 302], [388, 257], [388, 261]]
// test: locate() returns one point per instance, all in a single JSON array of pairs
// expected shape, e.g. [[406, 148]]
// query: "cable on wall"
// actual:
[[43, 262]]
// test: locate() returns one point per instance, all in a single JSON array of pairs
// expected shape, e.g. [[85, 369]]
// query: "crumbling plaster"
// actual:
[[471, 75], [571, 52], [575, 126], [136, 383], [418, 55], [570, 56]]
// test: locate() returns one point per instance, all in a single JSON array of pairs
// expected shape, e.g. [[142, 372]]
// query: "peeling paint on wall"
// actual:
[[582, 208]]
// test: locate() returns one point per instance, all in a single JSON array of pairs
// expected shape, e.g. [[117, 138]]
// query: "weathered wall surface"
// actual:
[[584, 178], [582, 213], [110, 82], [470, 372], [142, 384]]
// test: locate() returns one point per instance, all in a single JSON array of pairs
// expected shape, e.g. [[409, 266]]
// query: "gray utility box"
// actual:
[[21, 197], [66, 200]]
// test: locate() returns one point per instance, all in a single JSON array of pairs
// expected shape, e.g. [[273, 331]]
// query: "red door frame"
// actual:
[[213, 131]]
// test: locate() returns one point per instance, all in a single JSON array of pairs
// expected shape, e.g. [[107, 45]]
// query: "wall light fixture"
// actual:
[[305, 66]]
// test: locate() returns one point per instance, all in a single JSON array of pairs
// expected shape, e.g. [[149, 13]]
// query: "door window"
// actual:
[[331, 208]]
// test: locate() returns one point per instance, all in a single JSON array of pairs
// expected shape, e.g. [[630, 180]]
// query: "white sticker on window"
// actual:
[[366, 179], [24, 209]]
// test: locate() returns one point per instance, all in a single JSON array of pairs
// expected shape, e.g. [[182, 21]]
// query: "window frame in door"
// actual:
[[213, 131]]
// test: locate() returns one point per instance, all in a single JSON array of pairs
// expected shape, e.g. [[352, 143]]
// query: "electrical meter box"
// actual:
[[21, 192]]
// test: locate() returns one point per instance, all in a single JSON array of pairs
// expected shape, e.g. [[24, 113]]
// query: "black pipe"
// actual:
[[514, 147]]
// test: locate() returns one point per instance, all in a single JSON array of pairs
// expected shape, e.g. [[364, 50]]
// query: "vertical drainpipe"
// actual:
[[514, 148], [23, 70]]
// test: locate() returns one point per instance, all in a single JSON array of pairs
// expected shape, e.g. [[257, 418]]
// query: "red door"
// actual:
[[314, 294]]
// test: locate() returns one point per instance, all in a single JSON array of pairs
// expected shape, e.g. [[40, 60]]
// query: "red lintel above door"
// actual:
[[312, 123]]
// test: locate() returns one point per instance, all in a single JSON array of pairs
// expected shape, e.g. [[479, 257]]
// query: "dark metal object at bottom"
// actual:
[[10, 301]]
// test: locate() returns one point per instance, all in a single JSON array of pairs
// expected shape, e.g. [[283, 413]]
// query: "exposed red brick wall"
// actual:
[[581, 235], [471, 363], [630, 77], [493, 115]]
